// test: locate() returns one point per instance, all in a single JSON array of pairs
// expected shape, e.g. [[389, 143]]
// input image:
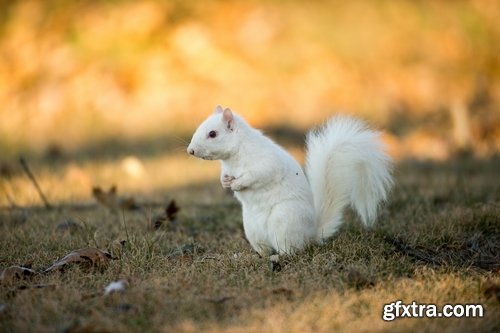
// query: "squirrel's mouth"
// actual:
[[201, 155]]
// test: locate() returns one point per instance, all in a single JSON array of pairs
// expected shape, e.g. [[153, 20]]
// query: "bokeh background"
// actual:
[[86, 80]]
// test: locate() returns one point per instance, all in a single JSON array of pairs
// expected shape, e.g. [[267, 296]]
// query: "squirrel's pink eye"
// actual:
[[212, 134]]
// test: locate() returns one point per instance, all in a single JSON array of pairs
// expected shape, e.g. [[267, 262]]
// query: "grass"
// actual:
[[200, 273]]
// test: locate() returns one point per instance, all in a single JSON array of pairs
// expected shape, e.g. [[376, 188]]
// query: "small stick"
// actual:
[[411, 252], [26, 169]]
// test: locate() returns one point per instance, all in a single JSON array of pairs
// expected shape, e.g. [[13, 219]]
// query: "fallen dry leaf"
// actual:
[[13, 273], [170, 214], [88, 256], [111, 200], [108, 199], [172, 210]]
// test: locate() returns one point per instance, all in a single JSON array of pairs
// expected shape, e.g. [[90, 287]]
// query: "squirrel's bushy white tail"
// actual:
[[346, 164]]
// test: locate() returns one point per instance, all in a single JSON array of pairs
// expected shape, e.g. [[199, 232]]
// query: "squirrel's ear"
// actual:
[[228, 118], [218, 109]]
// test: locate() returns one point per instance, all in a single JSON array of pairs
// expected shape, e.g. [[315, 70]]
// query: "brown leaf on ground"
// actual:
[[111, 199], [106, 198], [14, 273], [172, 210], [170, 214], [87, 256]]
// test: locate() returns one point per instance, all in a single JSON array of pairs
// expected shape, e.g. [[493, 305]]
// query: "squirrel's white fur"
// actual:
[[283, 209]]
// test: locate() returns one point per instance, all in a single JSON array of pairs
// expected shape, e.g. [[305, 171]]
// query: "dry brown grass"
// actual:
[[202, 275]]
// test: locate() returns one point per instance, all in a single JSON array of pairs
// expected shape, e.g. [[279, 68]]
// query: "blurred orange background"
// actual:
[[79, 73]]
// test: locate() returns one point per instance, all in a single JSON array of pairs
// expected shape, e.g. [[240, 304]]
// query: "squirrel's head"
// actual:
[[215, 138]]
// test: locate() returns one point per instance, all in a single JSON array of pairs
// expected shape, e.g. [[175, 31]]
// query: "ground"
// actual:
[[437, 240]]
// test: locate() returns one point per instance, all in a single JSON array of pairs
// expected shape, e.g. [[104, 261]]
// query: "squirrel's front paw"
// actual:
[[227, 181], [236, 185]]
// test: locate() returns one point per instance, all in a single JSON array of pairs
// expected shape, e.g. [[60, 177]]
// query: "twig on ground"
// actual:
[[411, 252], [458, 257], [26, 169]]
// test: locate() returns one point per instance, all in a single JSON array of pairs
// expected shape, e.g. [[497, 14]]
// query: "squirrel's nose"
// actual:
[[191, 151]]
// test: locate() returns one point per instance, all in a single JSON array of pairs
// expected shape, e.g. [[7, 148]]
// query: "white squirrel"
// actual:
[[283, 209]]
